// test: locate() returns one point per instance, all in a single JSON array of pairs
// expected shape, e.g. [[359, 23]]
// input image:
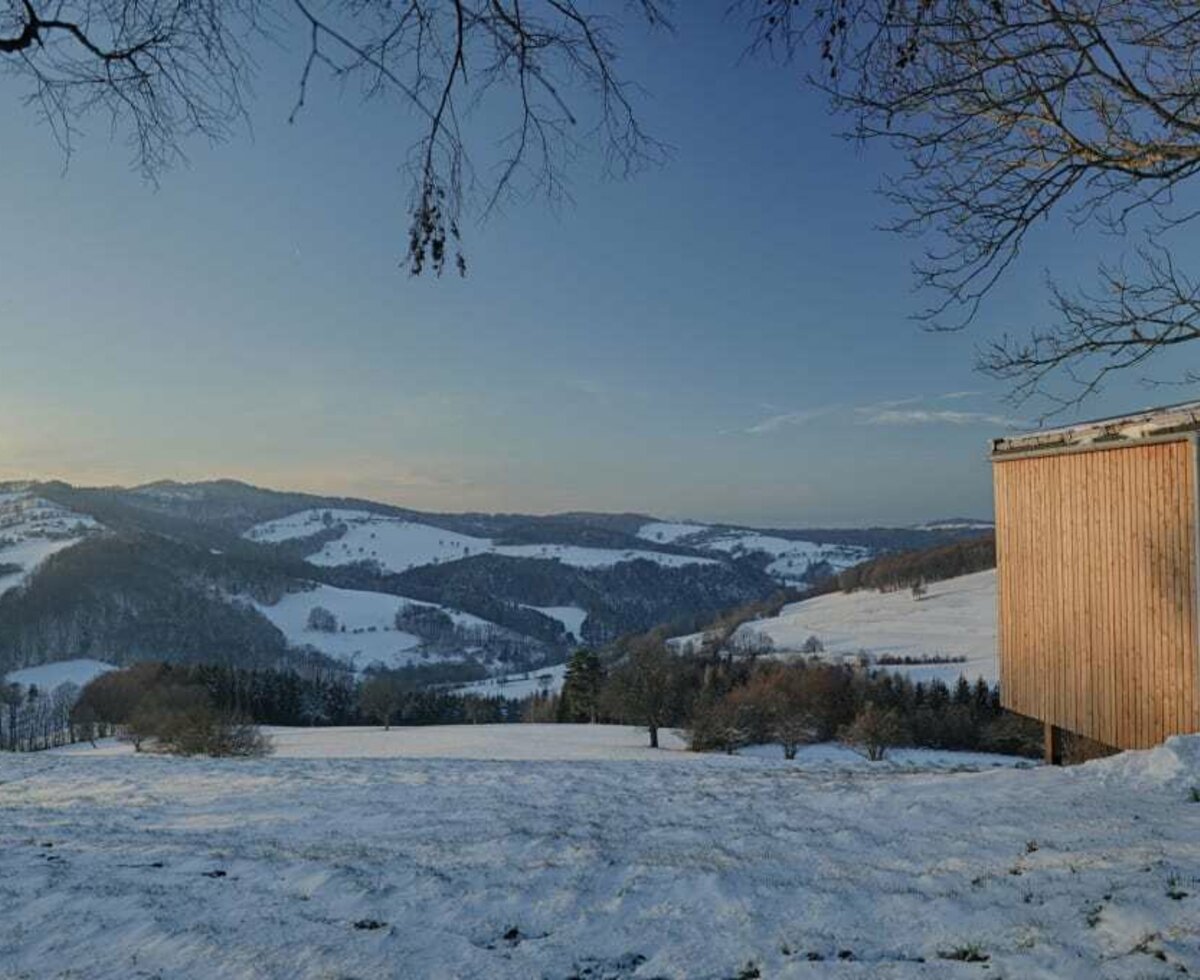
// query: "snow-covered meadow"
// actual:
[[573, 852]]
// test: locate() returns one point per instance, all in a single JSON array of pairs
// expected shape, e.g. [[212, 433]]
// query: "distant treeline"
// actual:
[[282, 697], [891, 572]]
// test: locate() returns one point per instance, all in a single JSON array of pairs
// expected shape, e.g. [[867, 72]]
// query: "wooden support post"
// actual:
[[1051, 745]]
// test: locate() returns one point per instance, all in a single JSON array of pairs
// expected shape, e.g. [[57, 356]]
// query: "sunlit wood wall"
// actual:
[[1096, 555]]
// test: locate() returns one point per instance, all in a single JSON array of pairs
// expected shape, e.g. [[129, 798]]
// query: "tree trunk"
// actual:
[[653, 736]]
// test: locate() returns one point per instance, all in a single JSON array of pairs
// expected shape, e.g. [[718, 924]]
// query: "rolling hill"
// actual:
[[222, 571]]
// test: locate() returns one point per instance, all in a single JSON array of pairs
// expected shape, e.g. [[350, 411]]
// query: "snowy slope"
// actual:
[[49, 676], [398, 544], [366, 635], [684, 867], [571, 617], [32, 529], [791, 560], [956, 618], [543, 680]]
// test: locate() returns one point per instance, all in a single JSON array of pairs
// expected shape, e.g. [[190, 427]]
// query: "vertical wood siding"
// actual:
[[1096, 573]]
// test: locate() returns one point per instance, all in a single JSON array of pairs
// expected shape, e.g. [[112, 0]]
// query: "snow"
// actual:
[[49, 676], [32, 529], [398, 544], [583, 854], [597, 557], [957, 617], [564, 743], [790, 560], [369, 638], [543, 680], [668, 532], [571, 617]]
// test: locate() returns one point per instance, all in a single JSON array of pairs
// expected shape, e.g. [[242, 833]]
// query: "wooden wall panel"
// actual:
[[1097, 590]]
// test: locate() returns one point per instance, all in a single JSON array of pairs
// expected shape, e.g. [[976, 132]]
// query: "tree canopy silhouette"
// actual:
[[1009, 111]]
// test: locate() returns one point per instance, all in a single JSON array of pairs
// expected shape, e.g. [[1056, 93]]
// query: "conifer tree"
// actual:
[[581, 688]]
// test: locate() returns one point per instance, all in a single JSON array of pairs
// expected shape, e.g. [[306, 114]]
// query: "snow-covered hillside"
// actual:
[[956, 618], [397, 544], [49, 676], [542, 680], [669, 532], [792, 561], [789, 561], [365, 632], [609, 865], [571, 617], [31, 530]]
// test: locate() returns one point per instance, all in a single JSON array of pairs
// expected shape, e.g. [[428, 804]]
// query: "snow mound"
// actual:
[[1174, 765]]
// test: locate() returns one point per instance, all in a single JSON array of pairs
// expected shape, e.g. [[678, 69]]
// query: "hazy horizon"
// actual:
[[406, 504]]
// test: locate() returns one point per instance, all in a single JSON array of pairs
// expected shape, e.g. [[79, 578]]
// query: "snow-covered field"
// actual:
[[369, 618], [956, 618], [398, 544], [49, 676], [586, 856]]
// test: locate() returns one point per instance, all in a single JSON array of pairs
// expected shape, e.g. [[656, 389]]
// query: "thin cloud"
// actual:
[[773, 423], [955, 395], [892, 403], [921, 416]]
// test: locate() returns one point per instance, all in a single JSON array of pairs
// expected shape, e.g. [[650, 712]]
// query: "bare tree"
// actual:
[[873, 732], [645, 688], [163, 71], [1010, 111], [381, 696]]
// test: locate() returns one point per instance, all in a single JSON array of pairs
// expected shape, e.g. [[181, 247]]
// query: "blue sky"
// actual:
[[724, 338]]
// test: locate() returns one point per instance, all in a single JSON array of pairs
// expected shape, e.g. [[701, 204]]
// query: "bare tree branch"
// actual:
[[167, 70], [1008, 112]]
